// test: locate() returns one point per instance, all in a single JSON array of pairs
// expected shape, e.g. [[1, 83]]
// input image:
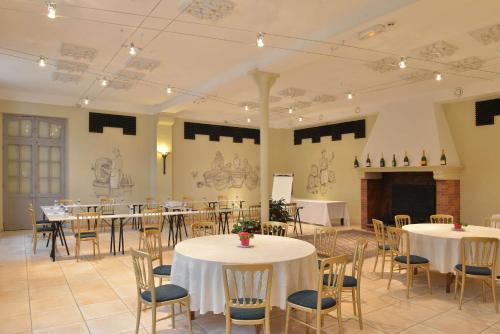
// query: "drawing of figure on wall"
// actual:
[[109, 178], [321, 177]]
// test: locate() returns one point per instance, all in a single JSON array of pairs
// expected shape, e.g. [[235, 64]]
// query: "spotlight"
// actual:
[[42, 61], [349, 95], [86, 101], [300, 119], [51, 10], [290, 110], [260, 40], [104, 82], [246, 107], [169, 89], [248, 120], [132, 50], [402, 63], [439, 76]]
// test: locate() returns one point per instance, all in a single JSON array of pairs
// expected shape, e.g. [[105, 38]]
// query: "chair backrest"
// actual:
[[152, 218], [495, 221], [325, 239], [358, 259], [202, 229], [331, 278], [32, 214], [247, 286], [107, 206], [274, 228], [399, 242], [378, 227], [222, 202], [143, 269], [254, 211], [441, 219], [153, 245], [88, 222], [291, 208], [402, 220], [479, 252], [152, 203]]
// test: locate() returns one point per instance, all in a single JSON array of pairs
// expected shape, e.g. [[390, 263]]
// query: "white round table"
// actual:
[[440, 244], [197, 267]]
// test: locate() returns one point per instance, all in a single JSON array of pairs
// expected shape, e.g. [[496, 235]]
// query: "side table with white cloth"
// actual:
[[198, 262], [440, 244], [321, 212]]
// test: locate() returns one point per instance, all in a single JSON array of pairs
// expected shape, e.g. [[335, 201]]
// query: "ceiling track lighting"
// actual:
[[260, 40], [248, 120], [51, 10], [168, 89], [300, 119], [246, 107], [86, 101], [42, 61], [104, 82], [349, 95], [402, 63], [438, 76], [132, 50], [290, 110]]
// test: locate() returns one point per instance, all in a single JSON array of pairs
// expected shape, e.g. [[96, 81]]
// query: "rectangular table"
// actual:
[[321, 212]]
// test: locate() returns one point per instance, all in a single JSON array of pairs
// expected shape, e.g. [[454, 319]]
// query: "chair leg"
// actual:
[[138, 317], [390, 275], [383, 262], [98, 249], [153, 318], [429, 279], [376, 261], [287, 318], [494, 292], [339, 318], [77, 250], [318, 322], [484, 290], [462, 287], [456, 283], [33, 241], [353, 293], [228, 323], [308, 320], [188, 315], [358, 303], [172, 310], [268, 323], [409, 274]]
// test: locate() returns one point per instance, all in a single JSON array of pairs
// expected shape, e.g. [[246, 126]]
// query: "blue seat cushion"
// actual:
[[309, 298], [43, 222], [472, 270], [163, 270], [349, 281], [247, 313], [44, 228], [86, 235], [147, 229], [414, 259], [166, 292], [387, 247]]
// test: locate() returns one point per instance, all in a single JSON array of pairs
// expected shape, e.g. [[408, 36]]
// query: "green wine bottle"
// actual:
[[406, 161], [443, 158], [394, 163], [368, 161], [382, 160], [356, 162], [423, 160]]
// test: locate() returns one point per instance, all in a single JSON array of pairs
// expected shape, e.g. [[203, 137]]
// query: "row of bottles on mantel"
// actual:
[[394, 163]]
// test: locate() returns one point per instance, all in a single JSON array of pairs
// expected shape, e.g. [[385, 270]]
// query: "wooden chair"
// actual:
[[479, 257], [107, 208], [222, 202], [441, 219], [293, 213], [39, 227], [156, 296], [494, 221], [325, 239], [203, 229], [322, 301], [402, 220], [399, 242], [254, 212], [247, 289], [151, 220], [87, 229], [152, 240], [66, 202], [383, 248], [274, 228]]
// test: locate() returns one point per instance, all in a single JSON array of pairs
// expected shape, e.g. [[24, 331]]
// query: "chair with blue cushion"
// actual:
[[247, 290], [383, 248], [479, 258], [399, 242], [152, 239], [39, 227], [149, 294], [87, 229], [325, 239], [151, 221], [402, 220], [202, 228], [322, 301], [274, 228]]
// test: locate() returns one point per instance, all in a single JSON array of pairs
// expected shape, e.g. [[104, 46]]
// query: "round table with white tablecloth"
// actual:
[[440, 243], [197, 266]]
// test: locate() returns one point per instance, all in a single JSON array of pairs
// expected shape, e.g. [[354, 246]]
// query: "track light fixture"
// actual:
[[439, 76], [86, 101], [260, 40], [349, 95], [246, 107], [168, 89], [104, 82], [300, 119], [42, 61], [290, 110], [51, 10], [132, 50], [402, 63], [248, 120]]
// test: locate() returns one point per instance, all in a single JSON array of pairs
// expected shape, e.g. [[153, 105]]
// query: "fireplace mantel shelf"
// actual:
[[440, 172]]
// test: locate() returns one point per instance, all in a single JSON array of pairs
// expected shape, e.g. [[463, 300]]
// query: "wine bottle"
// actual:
[[382, 160], [356, 162], [423, 160], [443, 158], [406, 161], [368, 161], [394, 163]]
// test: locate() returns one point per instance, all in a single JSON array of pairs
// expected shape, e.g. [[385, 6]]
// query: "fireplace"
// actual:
[[418, 194]]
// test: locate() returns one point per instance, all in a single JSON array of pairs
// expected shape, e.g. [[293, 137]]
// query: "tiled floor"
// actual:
[[99, 296]]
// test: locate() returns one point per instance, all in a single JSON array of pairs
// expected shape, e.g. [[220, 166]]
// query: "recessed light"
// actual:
[[349, 95], [169, 89], [132, 50], [371, 31], [300, 119], [42, 61], [402, 63], [260, 40], [86, 101], [290, 110], [246, 107], [104, 82], [51, 10], [248, 120], [438, 76]]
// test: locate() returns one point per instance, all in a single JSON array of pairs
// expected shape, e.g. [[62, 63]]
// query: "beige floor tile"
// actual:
[[15, 324], [115, 323], [99, 310], [76, 328], [55, 317]]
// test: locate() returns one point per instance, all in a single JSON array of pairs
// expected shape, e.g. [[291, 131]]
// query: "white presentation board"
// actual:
[[282, 187]]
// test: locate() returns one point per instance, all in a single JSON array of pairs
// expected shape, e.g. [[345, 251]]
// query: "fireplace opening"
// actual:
[[417, 201]]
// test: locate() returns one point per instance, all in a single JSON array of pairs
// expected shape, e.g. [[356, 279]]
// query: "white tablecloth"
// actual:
[[440, 244], [321, 212], [197, 267]]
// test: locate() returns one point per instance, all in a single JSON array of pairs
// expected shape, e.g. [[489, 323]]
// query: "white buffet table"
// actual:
[[321, 212], [440, 244], [197, 267]]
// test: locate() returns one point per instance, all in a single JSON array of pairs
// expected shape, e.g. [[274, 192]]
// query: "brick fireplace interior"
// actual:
[[417, 194]]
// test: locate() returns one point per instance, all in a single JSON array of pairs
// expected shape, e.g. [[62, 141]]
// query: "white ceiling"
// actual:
[[312, 44]]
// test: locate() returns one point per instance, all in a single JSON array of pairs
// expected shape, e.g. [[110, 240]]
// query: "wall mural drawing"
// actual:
[[226, 175], [109, 177], [321, 177]]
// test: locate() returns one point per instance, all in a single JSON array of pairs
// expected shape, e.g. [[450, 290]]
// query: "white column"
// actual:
[[264, 81]]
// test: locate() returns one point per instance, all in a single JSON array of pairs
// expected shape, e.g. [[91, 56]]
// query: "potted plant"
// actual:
[[245, 228], [278, 212], [245, 238], [459, 225]]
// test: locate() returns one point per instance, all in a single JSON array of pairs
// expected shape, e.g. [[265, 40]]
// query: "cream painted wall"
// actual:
[[138, 152], [478, 150], [164, 131]]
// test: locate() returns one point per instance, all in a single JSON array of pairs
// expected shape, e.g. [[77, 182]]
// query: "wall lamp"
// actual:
[[162, 150]]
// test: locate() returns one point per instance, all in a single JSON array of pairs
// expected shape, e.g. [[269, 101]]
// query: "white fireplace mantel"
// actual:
[[439, 172]]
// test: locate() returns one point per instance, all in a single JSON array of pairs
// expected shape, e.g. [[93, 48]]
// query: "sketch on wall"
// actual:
[[226, 175], [109, 177], [321, 176]]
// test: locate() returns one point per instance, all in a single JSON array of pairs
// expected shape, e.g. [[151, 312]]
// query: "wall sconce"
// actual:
[[164, 153]]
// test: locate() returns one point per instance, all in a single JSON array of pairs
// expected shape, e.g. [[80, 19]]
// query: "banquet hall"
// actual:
[[249, 166]]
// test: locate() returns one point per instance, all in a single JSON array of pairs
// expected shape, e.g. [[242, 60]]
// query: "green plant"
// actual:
[[278, 212], [246, 225]]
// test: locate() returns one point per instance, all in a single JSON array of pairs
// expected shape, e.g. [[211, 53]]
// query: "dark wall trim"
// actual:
[[216, 131], [98, 121], [486, 111], [334, 130]]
